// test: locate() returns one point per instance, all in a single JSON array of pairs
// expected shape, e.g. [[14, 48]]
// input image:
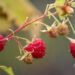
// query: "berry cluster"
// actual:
[[36, 48], [62, 29]]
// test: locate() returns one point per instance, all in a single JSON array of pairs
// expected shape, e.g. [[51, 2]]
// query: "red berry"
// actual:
[[37, 47], [72, 49], [2, 44]]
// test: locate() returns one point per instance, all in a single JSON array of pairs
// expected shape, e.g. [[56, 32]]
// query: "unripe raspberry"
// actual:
[[37, 47], [63, 29], [28, 59], [53, 32], [72, 49], [69, 10], [2, 44]]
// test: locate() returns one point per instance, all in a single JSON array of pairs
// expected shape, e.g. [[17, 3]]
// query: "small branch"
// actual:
[[55, 19], [72, 27], [22, 38], [19, 44], [66, 1], [71, 1], [26, 24]]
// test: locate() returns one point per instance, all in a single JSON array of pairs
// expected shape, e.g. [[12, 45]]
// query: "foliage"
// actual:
[[7, 70]]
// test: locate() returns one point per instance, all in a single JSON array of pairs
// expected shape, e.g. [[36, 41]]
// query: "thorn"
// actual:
[[26, 19]]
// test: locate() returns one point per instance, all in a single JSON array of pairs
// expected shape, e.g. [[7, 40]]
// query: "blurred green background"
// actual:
[[57, 61]]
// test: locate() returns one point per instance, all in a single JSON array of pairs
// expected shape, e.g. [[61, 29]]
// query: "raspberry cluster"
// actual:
[[37, 47]]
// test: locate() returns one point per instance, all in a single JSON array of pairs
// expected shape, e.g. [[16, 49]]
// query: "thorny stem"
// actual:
[[24, 25], [22, 38]]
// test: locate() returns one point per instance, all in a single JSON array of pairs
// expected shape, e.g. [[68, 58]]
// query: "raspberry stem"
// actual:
[[22, 38], [72, 27], [24, 25], [19, 44], [55, 19]]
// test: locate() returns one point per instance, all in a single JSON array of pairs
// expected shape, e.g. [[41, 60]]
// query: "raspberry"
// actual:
[[63, 29], [2, 44], [37, 47], [67, 9], [72, 49], [53, 33], [29, 59]]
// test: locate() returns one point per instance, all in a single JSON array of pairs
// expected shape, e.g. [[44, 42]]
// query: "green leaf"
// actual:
[[73, 4], [7, 69]]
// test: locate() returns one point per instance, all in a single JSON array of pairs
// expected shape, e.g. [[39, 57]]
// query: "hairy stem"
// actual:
[[24, 25]]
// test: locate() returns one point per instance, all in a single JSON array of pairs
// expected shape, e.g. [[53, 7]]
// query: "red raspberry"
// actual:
[[72, 49], [2, 44], [37, 47]]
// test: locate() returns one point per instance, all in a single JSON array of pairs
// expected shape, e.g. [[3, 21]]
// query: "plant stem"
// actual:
[[24, 25], [19, 44], [72, 27], [22, 38], [66, 1]]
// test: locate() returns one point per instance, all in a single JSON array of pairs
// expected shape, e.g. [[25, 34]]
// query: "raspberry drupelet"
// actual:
[[37, 47], [72, 49], [2, 44]]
